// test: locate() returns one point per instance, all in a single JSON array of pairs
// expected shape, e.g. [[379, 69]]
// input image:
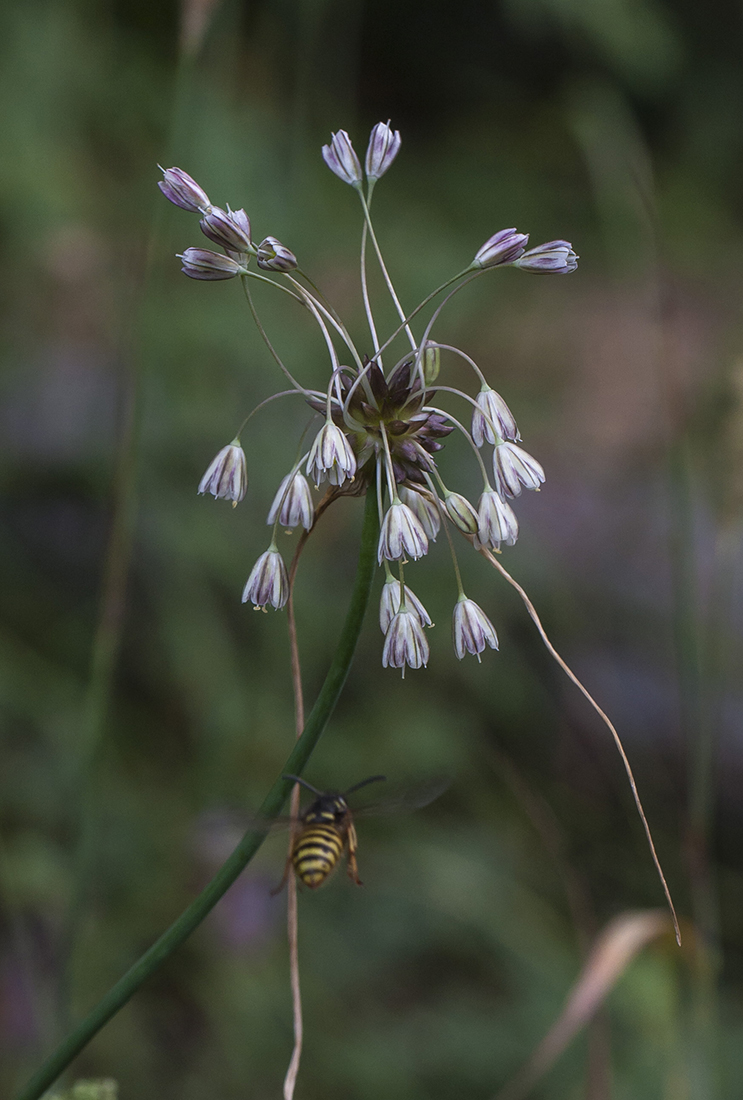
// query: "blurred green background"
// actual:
[[613, 123]]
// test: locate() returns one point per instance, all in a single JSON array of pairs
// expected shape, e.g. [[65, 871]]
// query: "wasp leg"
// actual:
[[351, 864], [284, 878]]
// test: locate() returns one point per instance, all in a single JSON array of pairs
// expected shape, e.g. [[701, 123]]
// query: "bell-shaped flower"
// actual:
[[201, 263], [331, 456], [293, 502], [498, 521], [514, 467], [389, 604], [492, 420], [405, 643], [552, 258], [341, 158], [402, 535], [268, 581], [274, 256], [180, 189], [426, 511], [227, 475], [503, 247], [472, 630], [384, 145]]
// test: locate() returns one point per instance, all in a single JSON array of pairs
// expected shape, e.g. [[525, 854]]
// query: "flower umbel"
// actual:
[[382, 426]]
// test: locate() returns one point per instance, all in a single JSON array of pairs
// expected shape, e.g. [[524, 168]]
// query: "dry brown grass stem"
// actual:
[[490, 557], [292, 924]]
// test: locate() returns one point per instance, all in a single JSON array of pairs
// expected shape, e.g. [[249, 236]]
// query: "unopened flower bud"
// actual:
[[498, 521], [461, 513], [431, 364], [389, 604], [227, 476], [268, 581], [331, 456], [341, 158], [230, 230], [384, 145], [182, 190], [402, 535], [293, 502], [502, 248], [514, 467], [405, 643], [552, 258], [274, 256], [472, 630], [201, 263], [492, 419]]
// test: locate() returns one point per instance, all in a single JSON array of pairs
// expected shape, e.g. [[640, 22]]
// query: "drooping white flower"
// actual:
[[498, 521], [492, 413], [268, 581], [425, 509], [514, 467], [331, 456], [402, 535], [389, 604], [472, 630], [405, 643], [227, 475], [293, 502]]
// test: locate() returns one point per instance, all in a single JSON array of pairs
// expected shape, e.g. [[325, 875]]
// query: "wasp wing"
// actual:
[[404, 797]]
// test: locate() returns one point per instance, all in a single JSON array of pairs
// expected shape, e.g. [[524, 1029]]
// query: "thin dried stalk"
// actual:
[[604, 717]]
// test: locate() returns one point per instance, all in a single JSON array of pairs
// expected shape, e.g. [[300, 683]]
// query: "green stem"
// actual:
[[202, 905]]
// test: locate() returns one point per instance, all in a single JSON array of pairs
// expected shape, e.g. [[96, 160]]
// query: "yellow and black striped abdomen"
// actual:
[[316, 852]]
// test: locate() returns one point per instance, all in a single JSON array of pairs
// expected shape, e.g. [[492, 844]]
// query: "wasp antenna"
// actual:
[[298, 779], [363, 783]]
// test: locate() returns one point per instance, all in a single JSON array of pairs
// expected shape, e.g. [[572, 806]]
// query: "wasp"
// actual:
[[325, 829]]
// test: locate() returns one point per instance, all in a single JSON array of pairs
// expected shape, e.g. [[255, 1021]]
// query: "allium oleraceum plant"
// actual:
[[378, 423]]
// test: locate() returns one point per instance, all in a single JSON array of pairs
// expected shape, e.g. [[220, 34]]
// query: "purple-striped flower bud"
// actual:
[[228, 229], [552, 258], [514, 467], [268, 581], [461, 513], [341, 158], [502, 248], [181, 190], [384, 145], [201, 263], [274, 256], [492, 419], [405, 643], [472, 630], [227, 475]]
